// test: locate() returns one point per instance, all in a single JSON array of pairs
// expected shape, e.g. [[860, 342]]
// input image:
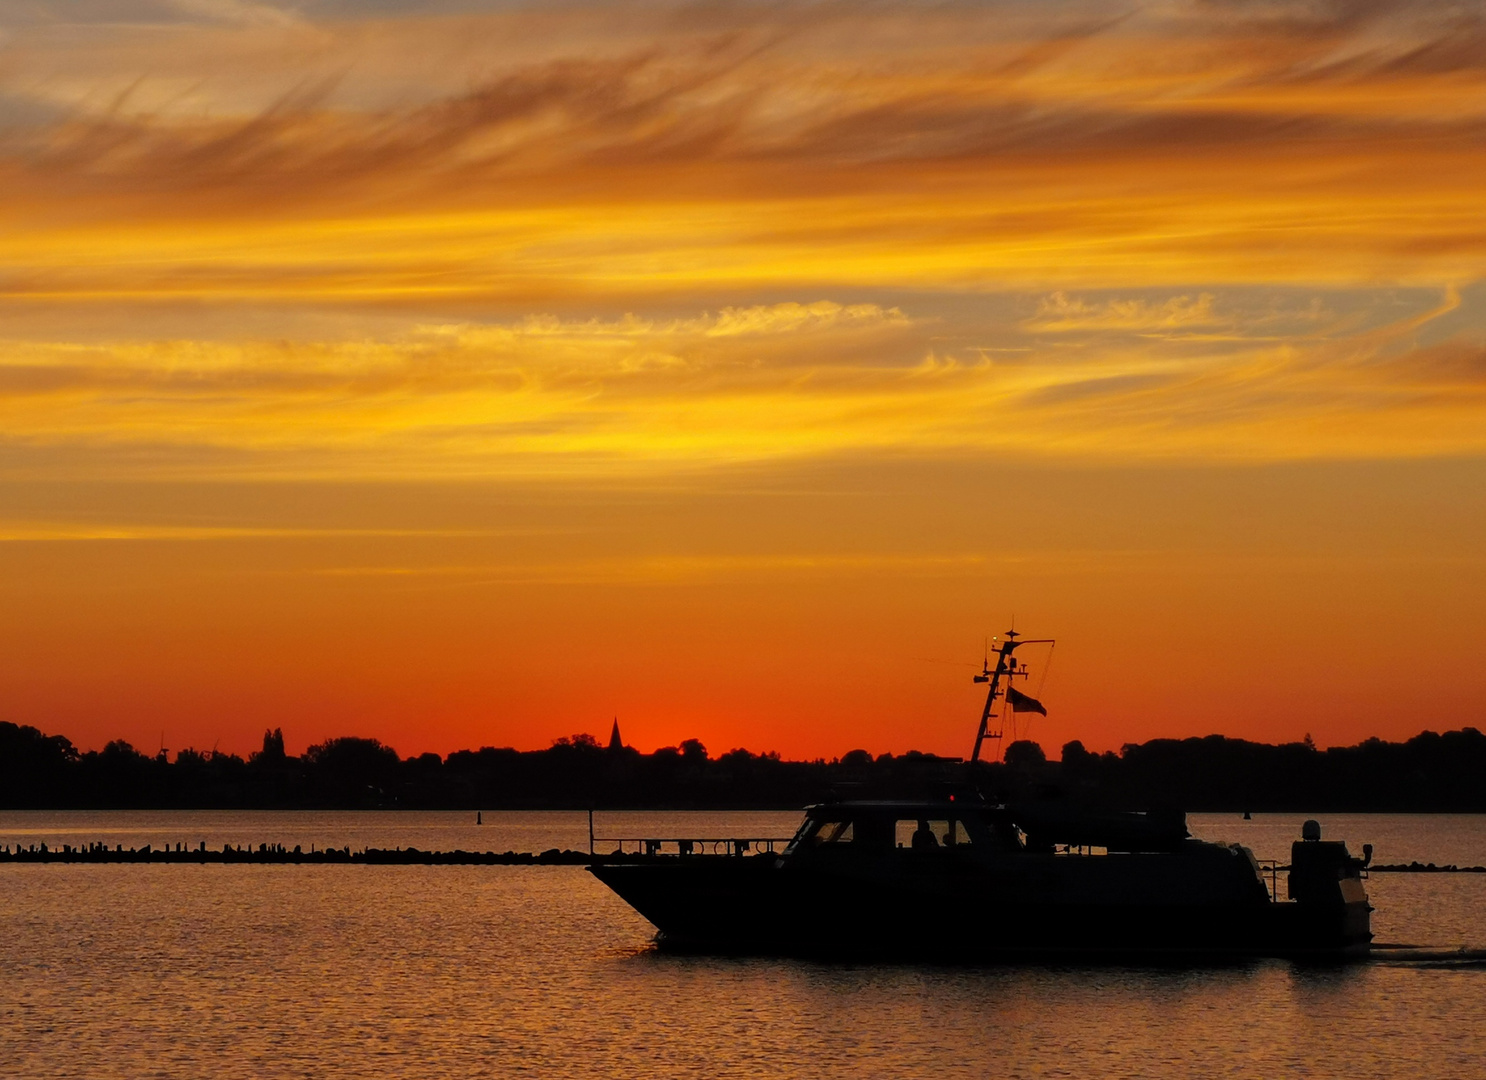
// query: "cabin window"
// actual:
[[940, 833], [834, 832], [815, 833]]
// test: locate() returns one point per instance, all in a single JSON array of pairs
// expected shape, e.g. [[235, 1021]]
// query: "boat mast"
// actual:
[[1006, 668]]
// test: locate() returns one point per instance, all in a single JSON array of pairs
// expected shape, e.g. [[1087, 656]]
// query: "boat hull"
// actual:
[[758, 905]]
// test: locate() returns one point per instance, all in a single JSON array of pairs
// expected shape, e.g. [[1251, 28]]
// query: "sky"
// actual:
[[465, 374]]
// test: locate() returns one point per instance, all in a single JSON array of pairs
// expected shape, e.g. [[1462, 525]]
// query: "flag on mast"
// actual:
[[1021, 702]]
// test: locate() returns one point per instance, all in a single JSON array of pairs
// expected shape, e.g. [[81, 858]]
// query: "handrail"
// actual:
[[1272, 868], [693, 845]]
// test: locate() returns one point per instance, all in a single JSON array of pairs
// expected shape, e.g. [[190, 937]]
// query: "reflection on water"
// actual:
[[1396, 838], [278, 971]]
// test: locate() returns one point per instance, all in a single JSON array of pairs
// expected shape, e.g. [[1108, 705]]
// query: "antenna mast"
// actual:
[[1006, 669]]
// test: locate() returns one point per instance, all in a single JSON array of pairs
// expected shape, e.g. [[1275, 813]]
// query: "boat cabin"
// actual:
[[880, 827], [1033, 828]]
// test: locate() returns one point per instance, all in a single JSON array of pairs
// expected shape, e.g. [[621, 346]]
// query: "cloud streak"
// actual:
[[307, 240], [787, 381], [542, 153]]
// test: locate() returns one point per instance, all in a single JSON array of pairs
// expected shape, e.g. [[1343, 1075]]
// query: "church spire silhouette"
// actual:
[[615, 742]]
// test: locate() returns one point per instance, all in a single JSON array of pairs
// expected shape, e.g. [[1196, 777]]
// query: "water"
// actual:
[[412, 971]]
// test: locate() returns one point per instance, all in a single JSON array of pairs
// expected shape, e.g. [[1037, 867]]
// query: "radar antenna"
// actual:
[[1006, 670]]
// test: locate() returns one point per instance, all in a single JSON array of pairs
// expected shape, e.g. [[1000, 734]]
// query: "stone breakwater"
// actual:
[[280, 853]]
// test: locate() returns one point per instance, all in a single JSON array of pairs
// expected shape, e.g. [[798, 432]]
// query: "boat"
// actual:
[[958, 876]]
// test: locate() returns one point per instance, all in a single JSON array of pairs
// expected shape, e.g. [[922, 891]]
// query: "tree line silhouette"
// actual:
[[1430, 772]]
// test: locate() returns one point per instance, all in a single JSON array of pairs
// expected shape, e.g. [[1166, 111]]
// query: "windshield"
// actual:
[[815, 833]]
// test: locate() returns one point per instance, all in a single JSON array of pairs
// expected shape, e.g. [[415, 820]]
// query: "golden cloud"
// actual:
[[769, 382], [545, 153], [242, 239], [1060, 313]]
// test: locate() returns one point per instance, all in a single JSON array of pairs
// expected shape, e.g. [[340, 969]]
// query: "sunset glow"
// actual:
[[469, 374]]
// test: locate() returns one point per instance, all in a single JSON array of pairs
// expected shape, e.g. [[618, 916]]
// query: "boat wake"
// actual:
[[1420, 955]]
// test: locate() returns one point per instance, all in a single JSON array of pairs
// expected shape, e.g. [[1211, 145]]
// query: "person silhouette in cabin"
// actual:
[[923, 837]]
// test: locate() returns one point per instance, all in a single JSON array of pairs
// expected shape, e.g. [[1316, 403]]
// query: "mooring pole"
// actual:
[[590, 832]]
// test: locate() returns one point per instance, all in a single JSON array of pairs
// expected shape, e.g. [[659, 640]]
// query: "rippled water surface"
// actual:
[[408, 971]]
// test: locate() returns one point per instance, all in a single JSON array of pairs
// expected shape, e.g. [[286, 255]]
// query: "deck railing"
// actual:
[[686, 845], [1269, 872]]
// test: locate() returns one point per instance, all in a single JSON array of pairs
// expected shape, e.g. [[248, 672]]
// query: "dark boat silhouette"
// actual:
[[960, 877]]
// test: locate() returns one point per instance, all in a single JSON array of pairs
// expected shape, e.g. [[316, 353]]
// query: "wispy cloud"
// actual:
[[577, 150], [30, 531], [1060, 313], [306, 239], [767, 382]]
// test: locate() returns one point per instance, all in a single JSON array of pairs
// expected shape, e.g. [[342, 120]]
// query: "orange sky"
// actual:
[[465, 373]]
